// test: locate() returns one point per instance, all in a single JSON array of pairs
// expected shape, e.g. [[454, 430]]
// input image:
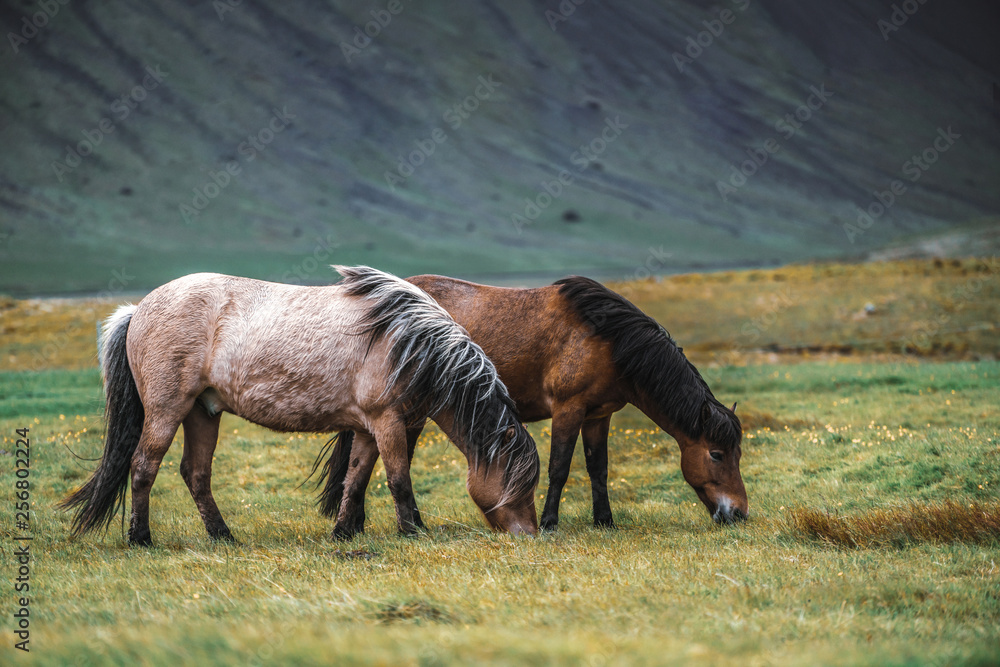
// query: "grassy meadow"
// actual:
[[872, 472]]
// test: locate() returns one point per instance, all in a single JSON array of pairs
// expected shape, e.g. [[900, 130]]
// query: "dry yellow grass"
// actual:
[[922, 308], [941, 522], [43, 334]]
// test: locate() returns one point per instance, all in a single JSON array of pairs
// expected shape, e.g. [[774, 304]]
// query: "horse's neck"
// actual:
[[651, 409], [445, 419]]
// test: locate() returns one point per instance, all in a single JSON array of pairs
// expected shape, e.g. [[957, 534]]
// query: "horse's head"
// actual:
[[504, 488], [711, 465]]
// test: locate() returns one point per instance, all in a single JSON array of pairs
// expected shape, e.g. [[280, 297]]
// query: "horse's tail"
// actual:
[[100, 499], [334, 472]]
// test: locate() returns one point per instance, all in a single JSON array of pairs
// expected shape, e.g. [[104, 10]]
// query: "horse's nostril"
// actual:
[[728, 515]]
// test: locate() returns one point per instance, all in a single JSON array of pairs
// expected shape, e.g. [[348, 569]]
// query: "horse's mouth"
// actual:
[[726, 513]]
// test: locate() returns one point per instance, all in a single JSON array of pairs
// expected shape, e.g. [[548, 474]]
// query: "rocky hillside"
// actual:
[[144, 140]]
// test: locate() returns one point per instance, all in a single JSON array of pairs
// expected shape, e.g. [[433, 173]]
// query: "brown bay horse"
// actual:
[[372, 354], [576, 352]]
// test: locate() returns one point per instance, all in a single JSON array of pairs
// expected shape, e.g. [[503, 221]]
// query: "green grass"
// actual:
[[666, 587]]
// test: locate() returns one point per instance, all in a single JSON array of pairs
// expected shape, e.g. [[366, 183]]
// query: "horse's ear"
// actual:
[[509, 435], [734, 408]]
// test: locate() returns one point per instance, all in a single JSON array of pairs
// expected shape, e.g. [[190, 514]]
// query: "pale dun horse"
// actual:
[[371, 354]]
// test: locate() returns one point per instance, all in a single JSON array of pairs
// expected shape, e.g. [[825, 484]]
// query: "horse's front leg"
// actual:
[[566, 422], [390, 437], [595, 448], [412, 435]]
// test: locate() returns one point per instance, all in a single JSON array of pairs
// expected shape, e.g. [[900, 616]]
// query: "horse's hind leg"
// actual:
[[157, 434], [595, 448], [201, 434], [351, 515]]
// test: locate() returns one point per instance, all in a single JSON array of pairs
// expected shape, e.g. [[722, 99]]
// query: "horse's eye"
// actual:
[[716, 456]]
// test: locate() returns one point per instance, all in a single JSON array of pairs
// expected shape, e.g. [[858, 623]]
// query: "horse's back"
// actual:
[[269, 350], [544, 352], [186, 313]]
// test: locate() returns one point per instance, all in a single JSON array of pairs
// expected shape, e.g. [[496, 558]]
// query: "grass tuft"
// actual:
[[354, 554], [415, 611], [941, 522]]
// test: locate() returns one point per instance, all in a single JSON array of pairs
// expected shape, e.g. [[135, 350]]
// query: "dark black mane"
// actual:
[[651, 363]]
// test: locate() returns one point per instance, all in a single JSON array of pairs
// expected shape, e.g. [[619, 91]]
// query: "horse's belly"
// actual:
[[285, 410], [533, 411], [282, 418]]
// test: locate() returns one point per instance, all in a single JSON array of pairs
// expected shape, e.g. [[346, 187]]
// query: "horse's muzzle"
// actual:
[[728, 514], [519, 528]]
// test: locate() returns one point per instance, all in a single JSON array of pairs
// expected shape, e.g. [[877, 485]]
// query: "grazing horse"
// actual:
[[576, 352], [372, 354]]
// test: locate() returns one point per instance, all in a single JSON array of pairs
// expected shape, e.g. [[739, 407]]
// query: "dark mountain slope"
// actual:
[[317, 190]]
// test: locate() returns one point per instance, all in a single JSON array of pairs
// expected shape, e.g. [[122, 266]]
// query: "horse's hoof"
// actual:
[[412, 530], [342, 534], [143, 541], [549, 525], [225, 537], [604, 523]]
